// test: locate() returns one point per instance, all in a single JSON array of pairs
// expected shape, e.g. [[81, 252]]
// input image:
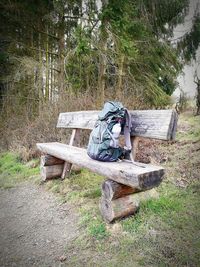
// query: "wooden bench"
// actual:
[[126, 183]]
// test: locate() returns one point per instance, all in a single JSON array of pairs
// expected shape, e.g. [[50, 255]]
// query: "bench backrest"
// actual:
[[158, 124]]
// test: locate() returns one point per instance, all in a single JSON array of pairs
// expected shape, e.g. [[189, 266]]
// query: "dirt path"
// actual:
[[34, 227]]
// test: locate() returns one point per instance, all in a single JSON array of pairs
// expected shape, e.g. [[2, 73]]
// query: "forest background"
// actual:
[[58, 56]]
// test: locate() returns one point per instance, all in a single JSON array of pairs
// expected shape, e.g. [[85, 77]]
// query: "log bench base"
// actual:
[[123, 206]]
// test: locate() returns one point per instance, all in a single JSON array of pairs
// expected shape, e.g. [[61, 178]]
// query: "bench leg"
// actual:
[[66, 170], [51, 167], [118, 208], [118, 200], [50, 172], [73, 141]]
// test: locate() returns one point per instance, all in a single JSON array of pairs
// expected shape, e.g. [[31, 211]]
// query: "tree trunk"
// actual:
[[198, 97], [61, 49], [41, 85], [120, 77], [102, 59], [102, 73], [47, 67]]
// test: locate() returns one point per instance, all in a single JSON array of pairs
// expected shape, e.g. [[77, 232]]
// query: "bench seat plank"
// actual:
[[141, 176]]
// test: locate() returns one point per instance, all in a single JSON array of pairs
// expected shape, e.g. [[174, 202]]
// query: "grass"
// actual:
[[82, 185], [165, 231], [189, 129], [13, 171]]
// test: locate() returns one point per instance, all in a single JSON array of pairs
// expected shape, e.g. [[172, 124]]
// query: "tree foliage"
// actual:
[[189, 43], [107, 49]]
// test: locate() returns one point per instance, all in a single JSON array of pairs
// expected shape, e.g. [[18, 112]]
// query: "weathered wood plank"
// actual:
[[158, 124], [48, 160], [77, 119], [112, 190], [124, 206], [140, 176], [50, 172]]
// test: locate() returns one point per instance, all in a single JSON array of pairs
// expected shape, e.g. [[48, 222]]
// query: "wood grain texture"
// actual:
[[124, 206], [134, 144], [50, 172], [158, 124], [112, 190], [140, 176], [48, 160]]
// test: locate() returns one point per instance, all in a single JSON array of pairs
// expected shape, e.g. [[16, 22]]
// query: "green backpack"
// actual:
[[101, 137]]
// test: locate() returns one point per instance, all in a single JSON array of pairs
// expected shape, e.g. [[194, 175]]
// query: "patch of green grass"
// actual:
[[73, 196], [81, 185], [56, 186], [165, 232], [170, 201], [93, 193], [86, 180], [192, 135], [167, 229], [13, 171], [189, 128], [163, 204], [132, 224], [95, 227]]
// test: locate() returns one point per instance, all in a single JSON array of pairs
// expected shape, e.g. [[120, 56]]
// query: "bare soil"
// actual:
[[34, 227]]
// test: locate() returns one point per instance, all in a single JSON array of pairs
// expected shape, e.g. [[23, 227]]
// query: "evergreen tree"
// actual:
[[119, 49]]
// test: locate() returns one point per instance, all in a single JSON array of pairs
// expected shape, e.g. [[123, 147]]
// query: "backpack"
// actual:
[[102, 143]]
